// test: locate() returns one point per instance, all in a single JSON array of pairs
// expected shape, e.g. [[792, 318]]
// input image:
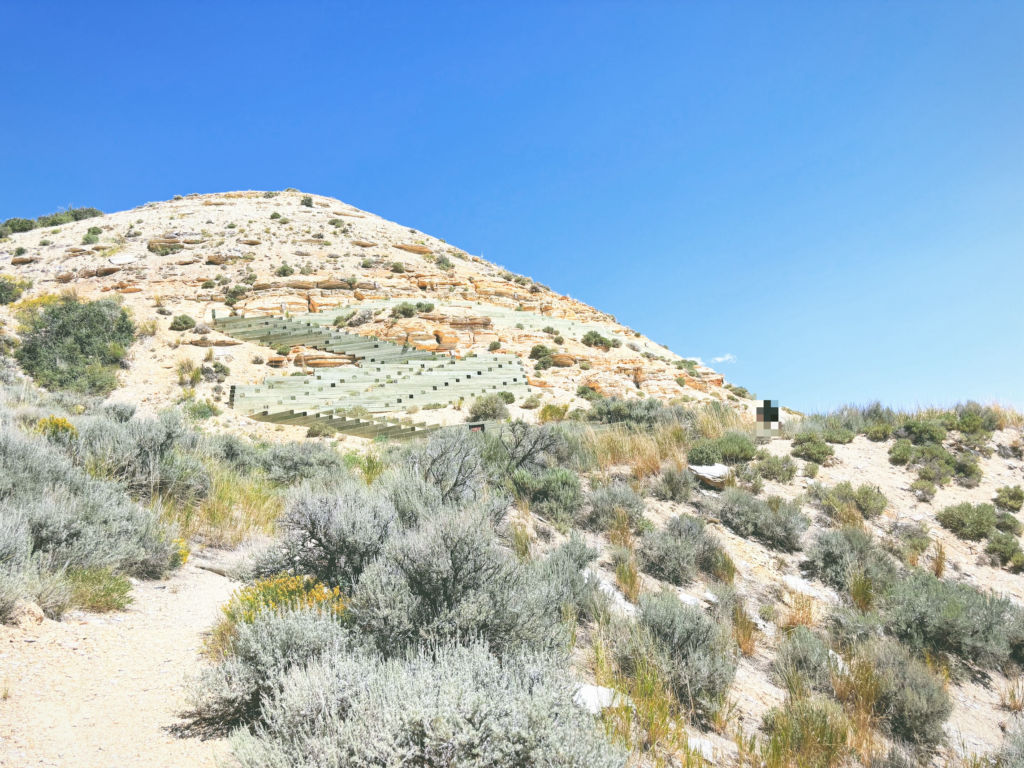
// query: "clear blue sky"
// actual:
[[832, 193]]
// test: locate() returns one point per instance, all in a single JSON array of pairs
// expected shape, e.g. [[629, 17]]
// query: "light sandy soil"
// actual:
[[106, 690]]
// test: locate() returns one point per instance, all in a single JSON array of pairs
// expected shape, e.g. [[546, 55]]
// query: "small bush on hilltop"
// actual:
[[810, 447], [52, 220], [70, 344], [776, 522]]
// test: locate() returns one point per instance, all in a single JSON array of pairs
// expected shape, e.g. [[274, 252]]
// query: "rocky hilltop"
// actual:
[[291, 254]]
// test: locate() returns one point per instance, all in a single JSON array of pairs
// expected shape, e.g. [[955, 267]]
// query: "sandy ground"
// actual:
[[105, 690]]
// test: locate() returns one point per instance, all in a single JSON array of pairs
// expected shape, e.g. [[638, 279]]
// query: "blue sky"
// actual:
[[830, 194]]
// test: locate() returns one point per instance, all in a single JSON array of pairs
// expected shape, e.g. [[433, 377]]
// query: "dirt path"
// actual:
[[105, 689]]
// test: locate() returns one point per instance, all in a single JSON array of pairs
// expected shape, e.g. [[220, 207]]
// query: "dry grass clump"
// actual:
[[801, 612]]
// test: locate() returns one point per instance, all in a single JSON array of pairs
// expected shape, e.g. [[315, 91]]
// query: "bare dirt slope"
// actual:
[[106, 689]]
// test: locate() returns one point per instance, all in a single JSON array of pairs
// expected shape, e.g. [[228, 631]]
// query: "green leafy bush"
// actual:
[[555, 494], [608, 501], [674, 484], [810, 447], [841, 500], [595, 339], [494, 346], [488, 408], [676, 553], [776, 522], [924, 432], [972, 522], [507, 397], [307, 201], [838, 435], [1007, 497], [75, 345], [879, 433], [182, 323], [539, 351], [285, 270], [691, 649], [1005, 550], [1007, 523], [11, 289], [836, 556], [736, 447], [704, 453], [403, 309], [782, 469]]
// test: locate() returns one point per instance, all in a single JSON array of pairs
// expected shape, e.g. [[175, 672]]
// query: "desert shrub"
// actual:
[[911, 700], [595, 339], [909, 541], [810, 447], [518, 445], [531, 402], [811, 733], [489, 407], [452, 460], [782, 469], [507, 397], [901, 452], [1011, 498], [879, 433], [839, 435], [403, 309], [554, 494], [285, 270], [1008, 523], [637, 413], [674, 484], [307, 201], [803, 663], [923, 432], [71, 519], [945, 617], [837, 556], [320, 429], [333, 533], [75, 345], [151, 458], [608, 501], [776, 522], [842, 500], [1011, 753], [182, 323], [539, 351], [236, 690], [11, 288], [551, 412], [1005, 550], [704, 453], [972, 522], [691, 648], [736, 447], [443, 262], [453, 706], [676, 553], [447, 580], [494, 346]]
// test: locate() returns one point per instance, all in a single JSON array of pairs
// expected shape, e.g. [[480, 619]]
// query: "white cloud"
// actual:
[[726, 358]]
